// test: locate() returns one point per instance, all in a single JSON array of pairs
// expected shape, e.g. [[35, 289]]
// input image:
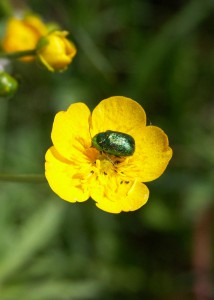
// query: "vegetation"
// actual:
[[161, 55]]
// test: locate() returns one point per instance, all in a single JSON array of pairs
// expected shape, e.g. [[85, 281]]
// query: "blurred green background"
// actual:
[[161, 54]]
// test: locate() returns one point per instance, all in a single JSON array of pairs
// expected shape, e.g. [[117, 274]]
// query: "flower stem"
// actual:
[[34, 178], [18, 54]]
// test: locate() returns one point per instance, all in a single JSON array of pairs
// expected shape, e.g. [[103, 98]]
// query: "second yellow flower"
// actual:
[[56, 51]]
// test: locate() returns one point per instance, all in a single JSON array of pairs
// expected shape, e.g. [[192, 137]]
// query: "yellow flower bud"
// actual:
[[55, 51], [23, 34]]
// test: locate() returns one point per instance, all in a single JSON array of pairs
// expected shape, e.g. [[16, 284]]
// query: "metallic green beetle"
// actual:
[[114, 143]]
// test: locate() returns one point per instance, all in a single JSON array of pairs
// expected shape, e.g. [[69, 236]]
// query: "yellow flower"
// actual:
[[23, 35], [57, 52], [75, 170]]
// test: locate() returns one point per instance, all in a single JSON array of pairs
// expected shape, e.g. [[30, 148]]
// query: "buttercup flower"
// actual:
[[76, 171], [57, 52], [23, 34]]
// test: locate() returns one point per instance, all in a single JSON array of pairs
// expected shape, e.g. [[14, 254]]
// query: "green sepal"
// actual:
[[42, 43]]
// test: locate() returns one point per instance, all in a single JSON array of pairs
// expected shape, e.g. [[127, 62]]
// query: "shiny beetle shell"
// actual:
[[114, 143]]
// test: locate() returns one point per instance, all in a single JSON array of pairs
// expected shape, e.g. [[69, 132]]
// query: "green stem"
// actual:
[[34, 178], [18, 54]]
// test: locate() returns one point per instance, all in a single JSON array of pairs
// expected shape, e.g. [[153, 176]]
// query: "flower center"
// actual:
[[108, 164], [103, 164]]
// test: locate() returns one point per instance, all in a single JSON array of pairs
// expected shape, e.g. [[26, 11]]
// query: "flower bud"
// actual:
[[55, 51], [8, 85], [23, 34]]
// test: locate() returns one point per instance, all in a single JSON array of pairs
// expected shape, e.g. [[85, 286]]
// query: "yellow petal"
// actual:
[[118, 114], [151, 157], [63, 178], [19, 37], [23, 35], [58, 52], [36, 24], [70, 133], [128, 196]]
